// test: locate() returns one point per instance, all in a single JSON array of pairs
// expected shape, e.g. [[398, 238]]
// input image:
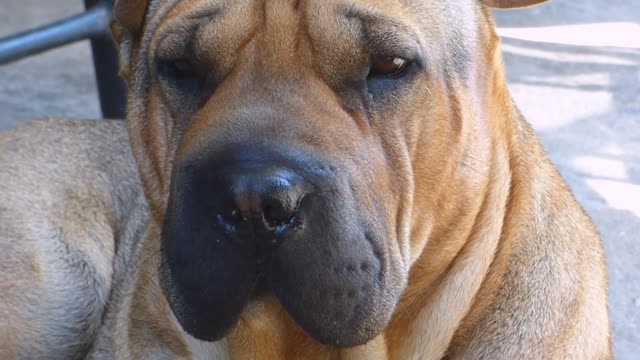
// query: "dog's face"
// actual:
[[300, 148]]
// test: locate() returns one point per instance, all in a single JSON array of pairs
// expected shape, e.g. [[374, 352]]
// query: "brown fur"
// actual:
[[500, 261]]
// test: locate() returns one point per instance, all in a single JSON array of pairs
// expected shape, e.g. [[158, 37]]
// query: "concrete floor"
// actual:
[[584, 101]]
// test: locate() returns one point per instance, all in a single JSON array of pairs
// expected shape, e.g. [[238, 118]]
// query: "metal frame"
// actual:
[[93, 24]]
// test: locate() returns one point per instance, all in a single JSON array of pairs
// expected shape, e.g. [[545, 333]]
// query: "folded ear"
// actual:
[[128, 15], [508, 4], [126, 27]]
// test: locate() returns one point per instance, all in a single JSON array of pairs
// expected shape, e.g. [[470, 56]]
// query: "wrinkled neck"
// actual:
[[465, 239]]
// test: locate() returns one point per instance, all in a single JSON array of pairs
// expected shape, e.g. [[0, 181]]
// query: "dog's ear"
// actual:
[[128, 17], [508, 4], [126, 26]]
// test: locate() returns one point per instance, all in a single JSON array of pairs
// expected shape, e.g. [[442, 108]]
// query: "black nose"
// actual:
[[230, 213], [268, 196]]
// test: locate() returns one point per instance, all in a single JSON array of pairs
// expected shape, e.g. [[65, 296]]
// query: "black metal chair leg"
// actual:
[[111, 87]]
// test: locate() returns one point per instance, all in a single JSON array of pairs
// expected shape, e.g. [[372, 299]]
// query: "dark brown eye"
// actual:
[[388, 66], [182, 68], [181, 74]]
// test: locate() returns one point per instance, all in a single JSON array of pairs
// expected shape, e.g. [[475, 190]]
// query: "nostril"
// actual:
[[270, 196], [277, 213]]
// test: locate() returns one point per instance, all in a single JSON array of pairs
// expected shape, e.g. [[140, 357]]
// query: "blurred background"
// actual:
[[573, 69]]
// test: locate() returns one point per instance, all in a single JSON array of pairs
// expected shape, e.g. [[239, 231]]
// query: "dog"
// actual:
[[318, 179]]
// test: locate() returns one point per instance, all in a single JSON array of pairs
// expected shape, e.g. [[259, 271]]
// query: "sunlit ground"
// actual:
[[618, 34], [583, 95]]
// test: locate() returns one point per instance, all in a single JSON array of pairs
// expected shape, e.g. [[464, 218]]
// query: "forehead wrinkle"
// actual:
[[156, 17], [185, 13], [277, 33], [226, 39], [378, 27]]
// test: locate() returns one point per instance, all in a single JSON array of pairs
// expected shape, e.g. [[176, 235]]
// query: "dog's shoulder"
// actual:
[[546, 289]]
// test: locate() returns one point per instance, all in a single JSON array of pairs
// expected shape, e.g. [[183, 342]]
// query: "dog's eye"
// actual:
[[180, 68], [182, 75], [388, 66], [387, 74]]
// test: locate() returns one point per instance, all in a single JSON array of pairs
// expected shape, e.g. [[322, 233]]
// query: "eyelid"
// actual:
[[404, 51], [171, 46], [410, 61]]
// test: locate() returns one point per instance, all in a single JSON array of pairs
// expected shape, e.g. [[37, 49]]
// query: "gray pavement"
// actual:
[[583, 100]]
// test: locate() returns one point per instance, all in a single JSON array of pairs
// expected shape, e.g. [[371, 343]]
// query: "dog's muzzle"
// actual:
[[244, 221]]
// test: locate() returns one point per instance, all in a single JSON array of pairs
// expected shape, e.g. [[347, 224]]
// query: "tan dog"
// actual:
[[325, 179]]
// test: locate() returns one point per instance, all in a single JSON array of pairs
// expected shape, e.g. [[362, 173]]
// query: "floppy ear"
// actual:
[[126, 27], [508, 4], [128, 16]]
